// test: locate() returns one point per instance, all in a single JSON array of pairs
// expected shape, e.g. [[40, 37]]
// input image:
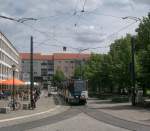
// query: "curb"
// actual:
[[28, 116]]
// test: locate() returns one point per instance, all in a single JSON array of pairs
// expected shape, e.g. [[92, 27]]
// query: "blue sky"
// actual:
[[61, 23]]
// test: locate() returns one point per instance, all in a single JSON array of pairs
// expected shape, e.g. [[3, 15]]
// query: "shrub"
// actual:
[[120, 99]]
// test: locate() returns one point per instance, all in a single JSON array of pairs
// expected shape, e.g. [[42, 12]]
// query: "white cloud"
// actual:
[[142, 1], [91, 26]]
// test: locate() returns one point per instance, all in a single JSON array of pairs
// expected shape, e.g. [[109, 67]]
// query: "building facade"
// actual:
[[67, 62], [43, 67], [8, 56]]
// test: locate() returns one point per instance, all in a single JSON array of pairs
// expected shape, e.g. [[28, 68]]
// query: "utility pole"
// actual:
[[13, 96], [133, 69], [31, 75]]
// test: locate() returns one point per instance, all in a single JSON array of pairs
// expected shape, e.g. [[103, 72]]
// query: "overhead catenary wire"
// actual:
[[53, 16], [56, 45], [47, 35], [123, 28], [83, 7], [92, 48], [64, 44], [76, 7], [22, 20], [103, 14]]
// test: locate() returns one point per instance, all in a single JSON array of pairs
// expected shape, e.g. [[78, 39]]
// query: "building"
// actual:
[[67, 62], [43, 67], [8, 56]]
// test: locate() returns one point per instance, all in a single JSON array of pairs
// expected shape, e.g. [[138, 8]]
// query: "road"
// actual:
[[79, 118]]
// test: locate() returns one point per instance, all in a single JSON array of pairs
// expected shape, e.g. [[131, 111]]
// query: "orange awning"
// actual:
[[1, 81], [10, 82]]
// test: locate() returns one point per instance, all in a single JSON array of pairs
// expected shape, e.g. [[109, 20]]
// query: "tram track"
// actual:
[[74, 111]]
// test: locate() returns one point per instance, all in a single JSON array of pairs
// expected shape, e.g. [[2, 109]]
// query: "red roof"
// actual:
[[69, 56], [36, 56], [55, 56]]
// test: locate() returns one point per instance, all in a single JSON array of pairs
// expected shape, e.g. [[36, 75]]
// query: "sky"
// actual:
[[76, 24]]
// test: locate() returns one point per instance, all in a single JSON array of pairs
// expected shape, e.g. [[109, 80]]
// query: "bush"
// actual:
[[120, 99]]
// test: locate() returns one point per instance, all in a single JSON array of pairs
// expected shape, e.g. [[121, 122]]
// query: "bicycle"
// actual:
[[16, 104]]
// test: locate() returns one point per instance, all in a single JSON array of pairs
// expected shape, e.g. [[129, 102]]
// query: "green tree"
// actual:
[[143, 51], [120, 52], [105, 72], [112, 70], [90, 71], [58, 77]]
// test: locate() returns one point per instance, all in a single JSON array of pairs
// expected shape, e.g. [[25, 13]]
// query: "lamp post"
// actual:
[[13, 96], [133, 69], [133, 79]]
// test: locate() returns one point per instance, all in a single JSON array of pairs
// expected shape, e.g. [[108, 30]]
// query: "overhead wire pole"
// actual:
[[31, 76], [133, 70], [133, 76]]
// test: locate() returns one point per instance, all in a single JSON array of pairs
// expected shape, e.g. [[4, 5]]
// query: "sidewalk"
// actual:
[[122, 110], [43, 104]]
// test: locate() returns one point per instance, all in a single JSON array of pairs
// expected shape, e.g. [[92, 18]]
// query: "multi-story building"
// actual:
[[8, 56], [43, 67], [67, 62]]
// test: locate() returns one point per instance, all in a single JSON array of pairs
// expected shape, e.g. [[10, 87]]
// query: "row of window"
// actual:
[[7, 49], [66, 61], [7, 72], [7, 60]]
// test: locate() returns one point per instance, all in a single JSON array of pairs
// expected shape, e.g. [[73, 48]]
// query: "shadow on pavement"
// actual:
[[123, 107], [101, 102]]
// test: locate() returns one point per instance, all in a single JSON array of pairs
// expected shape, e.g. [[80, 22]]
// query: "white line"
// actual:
[[27, 116]]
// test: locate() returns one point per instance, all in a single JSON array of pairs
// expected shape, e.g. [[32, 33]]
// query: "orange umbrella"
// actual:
[[10, 82], [1, 81]]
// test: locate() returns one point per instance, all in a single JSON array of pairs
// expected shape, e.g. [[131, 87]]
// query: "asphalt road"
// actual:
[[79, 118]]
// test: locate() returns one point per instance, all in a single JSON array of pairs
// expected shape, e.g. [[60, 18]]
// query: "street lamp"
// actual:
[[136, 19], [13, 97]]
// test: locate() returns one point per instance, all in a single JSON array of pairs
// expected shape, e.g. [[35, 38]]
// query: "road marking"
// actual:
[[27, 116]]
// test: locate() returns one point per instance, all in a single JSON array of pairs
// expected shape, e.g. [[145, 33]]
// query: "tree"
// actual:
[[112, 70], [105, 72], [58, 77], [120, 52], [90, 71], [143, 51]]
